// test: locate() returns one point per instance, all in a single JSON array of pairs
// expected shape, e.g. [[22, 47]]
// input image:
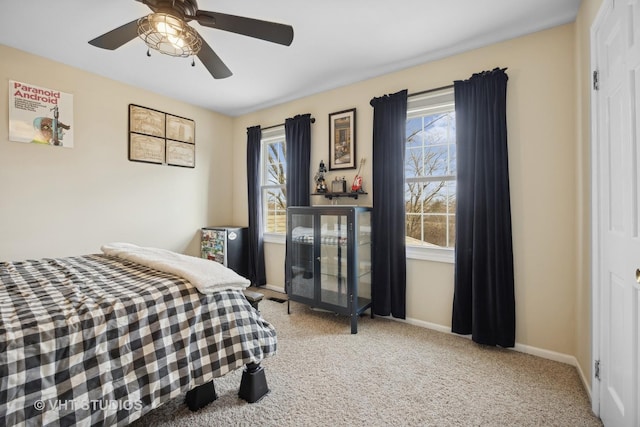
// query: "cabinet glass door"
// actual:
[[301, 256], [333, 260], [364, 258]]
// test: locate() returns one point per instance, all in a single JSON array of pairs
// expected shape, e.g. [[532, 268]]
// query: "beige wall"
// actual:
[[57, 201], [542, 130]]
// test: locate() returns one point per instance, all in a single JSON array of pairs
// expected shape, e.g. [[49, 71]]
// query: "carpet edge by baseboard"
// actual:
[[522, 348]]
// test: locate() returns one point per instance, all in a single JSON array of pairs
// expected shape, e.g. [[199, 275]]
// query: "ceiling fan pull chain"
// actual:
[[148, 52], [193, 62]]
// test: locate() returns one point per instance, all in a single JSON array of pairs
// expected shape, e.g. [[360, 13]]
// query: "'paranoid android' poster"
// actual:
[[40, 115]]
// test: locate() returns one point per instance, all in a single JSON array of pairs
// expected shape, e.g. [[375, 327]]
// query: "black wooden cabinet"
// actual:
[[328, 263]]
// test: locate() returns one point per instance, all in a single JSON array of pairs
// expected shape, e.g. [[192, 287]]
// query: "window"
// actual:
[[274, 179], [430, 170]]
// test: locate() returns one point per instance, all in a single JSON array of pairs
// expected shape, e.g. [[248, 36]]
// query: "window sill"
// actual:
[[431, 254], [280, 238], [412, 252]]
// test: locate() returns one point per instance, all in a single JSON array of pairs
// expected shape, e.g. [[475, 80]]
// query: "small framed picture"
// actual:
[[181, 154], [181, 129], [146, 121], [342, 140], [146, 148]]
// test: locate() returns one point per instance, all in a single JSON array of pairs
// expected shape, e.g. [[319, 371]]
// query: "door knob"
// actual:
[[637, 275]]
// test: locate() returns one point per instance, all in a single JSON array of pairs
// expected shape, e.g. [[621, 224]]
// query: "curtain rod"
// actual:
[[430, 90], [313, 120]]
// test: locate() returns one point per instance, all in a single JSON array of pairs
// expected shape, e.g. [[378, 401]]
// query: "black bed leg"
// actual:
[[201, 396], [253, 386]]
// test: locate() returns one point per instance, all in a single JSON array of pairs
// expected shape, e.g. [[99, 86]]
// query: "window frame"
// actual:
[[421, 105], [275, 134]]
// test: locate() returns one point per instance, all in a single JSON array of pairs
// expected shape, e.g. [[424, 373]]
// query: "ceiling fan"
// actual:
[[167, 31]]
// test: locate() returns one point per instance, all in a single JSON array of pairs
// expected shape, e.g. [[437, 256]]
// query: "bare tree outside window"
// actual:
[[430, 180], [274, 193]]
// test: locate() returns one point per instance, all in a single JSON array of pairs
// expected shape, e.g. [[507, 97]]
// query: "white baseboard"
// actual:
[[583, 378], [274, 288], [546, 354], [423, 324], [522, 348]]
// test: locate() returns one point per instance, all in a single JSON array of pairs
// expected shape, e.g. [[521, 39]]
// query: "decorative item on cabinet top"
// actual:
[[321, 185], [356, 186], [339, 185]]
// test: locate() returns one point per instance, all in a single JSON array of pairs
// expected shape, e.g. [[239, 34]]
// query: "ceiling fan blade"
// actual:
[[264, 30], [116, 38], [212, 62]]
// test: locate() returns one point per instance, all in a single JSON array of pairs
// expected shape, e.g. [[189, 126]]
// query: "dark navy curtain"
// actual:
[[484, 301], [298, 139], [388, 258], [256, 268]]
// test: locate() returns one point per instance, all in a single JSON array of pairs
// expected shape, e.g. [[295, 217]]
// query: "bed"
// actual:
[[102, 339]]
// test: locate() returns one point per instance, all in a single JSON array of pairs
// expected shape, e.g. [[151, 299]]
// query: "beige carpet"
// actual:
[[389, 374]]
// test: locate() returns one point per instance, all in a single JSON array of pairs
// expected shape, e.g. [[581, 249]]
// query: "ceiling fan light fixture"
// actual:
[[169, 34]]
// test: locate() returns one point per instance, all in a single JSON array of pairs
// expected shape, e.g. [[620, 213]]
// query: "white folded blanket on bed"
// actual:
[[207, 276]]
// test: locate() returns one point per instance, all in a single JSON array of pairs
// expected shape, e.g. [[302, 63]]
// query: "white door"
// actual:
[[617, 43]]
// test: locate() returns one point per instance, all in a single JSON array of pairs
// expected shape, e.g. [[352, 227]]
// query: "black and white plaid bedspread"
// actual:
[[95, 340]]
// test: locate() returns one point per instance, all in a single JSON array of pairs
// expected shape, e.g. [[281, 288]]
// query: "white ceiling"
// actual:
[[336, 42]]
